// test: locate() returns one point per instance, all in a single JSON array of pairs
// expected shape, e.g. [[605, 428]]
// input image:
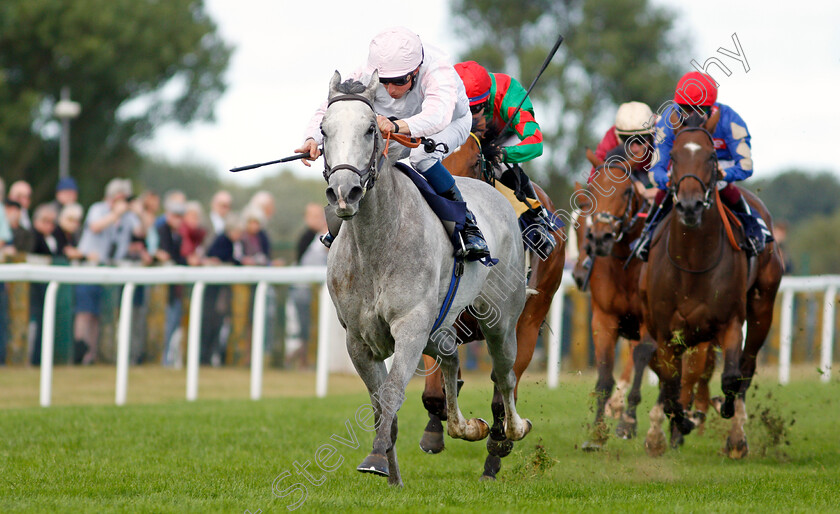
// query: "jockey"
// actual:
[[633, 131], [494, 98], [419, 94], [632, 139], [697, 92]]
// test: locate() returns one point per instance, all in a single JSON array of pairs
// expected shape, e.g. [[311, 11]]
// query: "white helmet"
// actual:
[[395, 52], [634, 118]]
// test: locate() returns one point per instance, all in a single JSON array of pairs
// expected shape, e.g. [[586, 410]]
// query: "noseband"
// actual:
[[709, 188], [368, 175]]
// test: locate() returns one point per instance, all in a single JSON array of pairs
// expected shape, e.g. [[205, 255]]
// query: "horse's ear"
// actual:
[[592, 158], [334, 82], [712, 122], [581, 200], [674, 120], [370, 91]]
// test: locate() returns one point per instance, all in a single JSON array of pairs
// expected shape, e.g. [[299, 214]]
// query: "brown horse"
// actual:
[[698, 287], [606, 236], [616, 308], [545, 278]]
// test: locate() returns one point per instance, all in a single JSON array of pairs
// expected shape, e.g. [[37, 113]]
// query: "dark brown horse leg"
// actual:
[[730, 380], [670, 368], [604, 335], [642, 354], [527, 330], [693, 367], [434, 401]]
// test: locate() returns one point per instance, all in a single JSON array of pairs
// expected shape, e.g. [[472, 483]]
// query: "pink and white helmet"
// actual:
[[395, 52]]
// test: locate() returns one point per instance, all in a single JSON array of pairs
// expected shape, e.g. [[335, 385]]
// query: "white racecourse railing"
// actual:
[[263, 276]]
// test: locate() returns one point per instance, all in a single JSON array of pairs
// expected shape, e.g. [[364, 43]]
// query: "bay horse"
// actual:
[[616, 307], [610, 228], [389, 269], [698, 287], [467, 161]]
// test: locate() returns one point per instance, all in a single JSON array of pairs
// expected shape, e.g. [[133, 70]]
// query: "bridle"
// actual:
[[709, 188], [368, 174], [620, 225]]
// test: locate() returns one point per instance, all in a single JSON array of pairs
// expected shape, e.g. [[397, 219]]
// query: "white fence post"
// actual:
[[786, 336], [322, 367], [124, 342], [194, 340], [47, 343], [556, 324], [258, 340], [827, 333]]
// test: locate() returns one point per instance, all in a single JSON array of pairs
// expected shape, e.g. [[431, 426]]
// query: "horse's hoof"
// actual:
[[374, 463], [432, 442], [716, 402], [492, 465], [486, 478], [591, 446], [499, 447], [480, 431], [626, 429], [677, 439], [655, 443], [737, 450], [685, 425], [516, 436]]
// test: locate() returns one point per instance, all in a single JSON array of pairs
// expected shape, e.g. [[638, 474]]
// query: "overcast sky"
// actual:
[[286, 51]]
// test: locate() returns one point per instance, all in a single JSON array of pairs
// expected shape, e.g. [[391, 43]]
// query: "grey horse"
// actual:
[[389, 269]]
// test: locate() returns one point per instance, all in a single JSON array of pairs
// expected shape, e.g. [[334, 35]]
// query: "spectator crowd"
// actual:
[[144, 229]]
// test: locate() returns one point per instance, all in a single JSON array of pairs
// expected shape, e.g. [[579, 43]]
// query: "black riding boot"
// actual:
[[752, 227], [475, 247], [536, 224], [641, 248]]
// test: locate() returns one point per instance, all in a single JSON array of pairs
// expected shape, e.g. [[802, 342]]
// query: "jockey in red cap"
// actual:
[[494, 98], [697, 93]]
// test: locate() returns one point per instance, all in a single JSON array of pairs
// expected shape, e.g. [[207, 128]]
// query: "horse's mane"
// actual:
[[695, 120], [351, 86]]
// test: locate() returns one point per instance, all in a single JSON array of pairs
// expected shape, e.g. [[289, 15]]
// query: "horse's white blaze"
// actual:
[[692, 146], [341, 203]]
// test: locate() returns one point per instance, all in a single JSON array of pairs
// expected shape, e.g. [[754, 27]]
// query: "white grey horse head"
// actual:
[[352, 143]]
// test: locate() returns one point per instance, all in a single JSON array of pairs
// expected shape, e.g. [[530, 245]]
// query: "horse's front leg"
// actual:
[[390, 396], [733, 404], [604, 335], [642, 354]]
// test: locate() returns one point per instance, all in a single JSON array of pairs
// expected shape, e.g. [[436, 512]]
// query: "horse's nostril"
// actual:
[[680, 207], [331, 198], [607, 236], [589, 236], [355, 194]]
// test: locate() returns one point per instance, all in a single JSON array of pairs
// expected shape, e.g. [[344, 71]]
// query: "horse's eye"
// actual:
[[370, 130]]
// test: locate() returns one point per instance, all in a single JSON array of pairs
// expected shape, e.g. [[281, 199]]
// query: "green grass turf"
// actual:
[[223, 455]]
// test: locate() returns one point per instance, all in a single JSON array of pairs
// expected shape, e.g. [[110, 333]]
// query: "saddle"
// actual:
[[452, 214]]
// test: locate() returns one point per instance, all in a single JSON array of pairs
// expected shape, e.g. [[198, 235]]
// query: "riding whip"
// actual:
[[259, 165], [542, 69]]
